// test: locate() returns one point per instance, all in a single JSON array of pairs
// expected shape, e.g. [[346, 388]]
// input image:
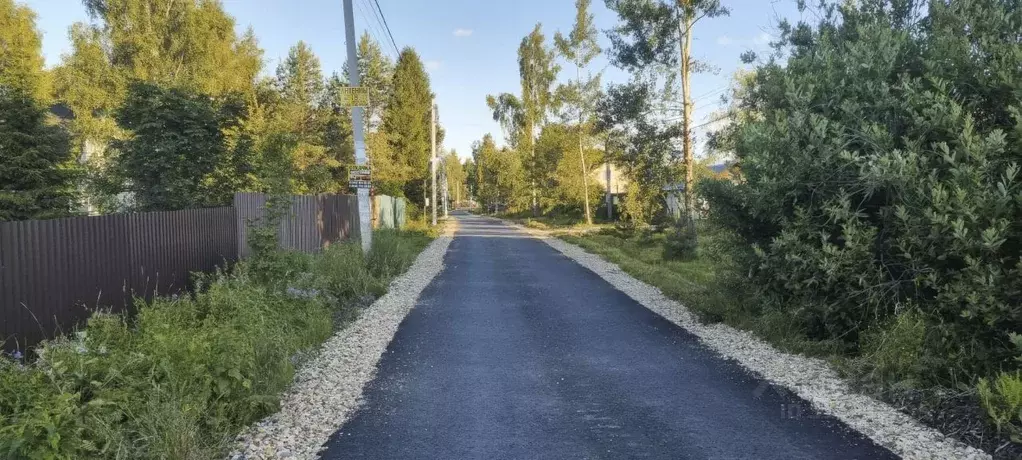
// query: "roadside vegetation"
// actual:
[[181, 377], [871, 216]]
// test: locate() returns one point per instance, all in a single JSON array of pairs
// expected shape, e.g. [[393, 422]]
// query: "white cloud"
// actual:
[[433, 65], [724, 40], [762, 39], [462, 32]]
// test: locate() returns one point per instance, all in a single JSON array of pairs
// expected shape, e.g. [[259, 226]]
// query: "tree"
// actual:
[[880, 184], [177, 153], [455, 176], [471, 182], [21, 57], [37, 170], [577, 100], [523, 117], [406, 123], [376, 72], [658, 33], [302, 110], [641, 143], [558, 144], [188, 44]]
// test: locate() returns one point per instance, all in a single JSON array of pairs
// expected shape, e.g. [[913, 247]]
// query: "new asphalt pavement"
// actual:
[[515, 351]]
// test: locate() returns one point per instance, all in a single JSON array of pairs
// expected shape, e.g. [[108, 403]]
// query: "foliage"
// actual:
[[558, 145], [21, 57], [576, 100], [406, 123], [456, 176], [522, 117], [37, 170], [1003, 402], [197, 163], [500, 177], [680, 242], [880, 170], [301, 111], [655, 38], [181, 378]]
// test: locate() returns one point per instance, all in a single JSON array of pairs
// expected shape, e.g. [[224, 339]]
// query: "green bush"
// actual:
[[1003, 402], [681, 241], [879, 168], [183, 376]]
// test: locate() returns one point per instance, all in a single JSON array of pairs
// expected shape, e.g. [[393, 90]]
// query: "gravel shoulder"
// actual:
[[328, 388], [810, 379]]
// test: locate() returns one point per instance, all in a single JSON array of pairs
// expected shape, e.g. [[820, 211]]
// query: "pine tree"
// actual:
[[37, 170], [302, 111], [407, 123]]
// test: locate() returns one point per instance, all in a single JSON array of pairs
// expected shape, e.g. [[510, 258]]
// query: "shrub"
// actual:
[[879, 168], [184, 375], [681, 242], [1003, 402]]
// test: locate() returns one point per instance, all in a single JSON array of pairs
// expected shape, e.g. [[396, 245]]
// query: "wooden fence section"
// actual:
[[312, 223], [54, 272]]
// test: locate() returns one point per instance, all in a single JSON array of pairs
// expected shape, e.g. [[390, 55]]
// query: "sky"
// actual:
[[469, 47]]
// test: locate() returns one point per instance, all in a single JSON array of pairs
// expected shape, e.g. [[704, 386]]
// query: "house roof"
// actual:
[[717, 169]]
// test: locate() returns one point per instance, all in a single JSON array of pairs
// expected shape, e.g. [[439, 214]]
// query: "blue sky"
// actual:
[[469, 46]]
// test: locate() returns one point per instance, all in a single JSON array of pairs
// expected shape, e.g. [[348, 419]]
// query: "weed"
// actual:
[[183, 376], [1003, 402]]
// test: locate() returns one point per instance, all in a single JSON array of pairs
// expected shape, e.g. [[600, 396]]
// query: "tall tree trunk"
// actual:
[[685, 42], [582, 155]]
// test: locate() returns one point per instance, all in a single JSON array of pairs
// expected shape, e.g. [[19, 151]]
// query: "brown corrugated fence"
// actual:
[[54, 272]]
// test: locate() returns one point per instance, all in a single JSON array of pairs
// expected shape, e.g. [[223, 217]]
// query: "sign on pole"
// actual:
[[356, 96], [360, 177]]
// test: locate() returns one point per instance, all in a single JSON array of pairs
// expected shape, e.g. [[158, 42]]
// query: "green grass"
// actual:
[[887, 365], [704, 284], [181, 378]]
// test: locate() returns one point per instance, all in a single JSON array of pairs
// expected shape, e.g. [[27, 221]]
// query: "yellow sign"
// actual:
[[355, 96]]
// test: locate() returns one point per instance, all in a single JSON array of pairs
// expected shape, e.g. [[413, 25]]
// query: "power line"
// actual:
[[370, 28], [385, 25], [376, 15]]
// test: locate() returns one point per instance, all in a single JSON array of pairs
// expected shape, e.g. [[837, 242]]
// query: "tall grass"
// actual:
[[181, 378]]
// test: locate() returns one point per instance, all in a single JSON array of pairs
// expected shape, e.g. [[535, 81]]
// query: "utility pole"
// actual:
[[365, 229], [444, 187], [432, 161]]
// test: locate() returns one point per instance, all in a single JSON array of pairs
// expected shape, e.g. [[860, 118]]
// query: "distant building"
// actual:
[[676, 193], [617, 183]]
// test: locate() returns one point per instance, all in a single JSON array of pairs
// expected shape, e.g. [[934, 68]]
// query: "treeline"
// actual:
[[880, 199], [874, 199], [161, 107], [553, 142]]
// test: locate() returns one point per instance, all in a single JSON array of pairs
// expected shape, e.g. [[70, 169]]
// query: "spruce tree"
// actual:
[[37, 170], [407, 123]]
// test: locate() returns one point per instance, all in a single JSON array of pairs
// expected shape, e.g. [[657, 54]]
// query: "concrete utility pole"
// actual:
[[365, 229], [432, 161], [444, 187]]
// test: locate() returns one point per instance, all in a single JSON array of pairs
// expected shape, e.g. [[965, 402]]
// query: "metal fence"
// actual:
[[390, 212], [312, 222], [53, 273]]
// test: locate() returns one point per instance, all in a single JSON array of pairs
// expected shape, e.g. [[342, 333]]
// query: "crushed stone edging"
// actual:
[[328, 389], [811, 379]]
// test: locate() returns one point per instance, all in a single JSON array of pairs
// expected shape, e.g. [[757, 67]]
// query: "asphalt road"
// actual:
[[515, 351]]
